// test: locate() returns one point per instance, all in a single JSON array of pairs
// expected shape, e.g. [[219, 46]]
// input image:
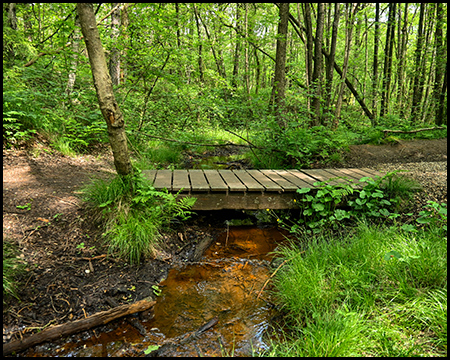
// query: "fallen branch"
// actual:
[[73, 327], [92, 258], [183, 339], [251, 145], [412, 131], [188, 142]]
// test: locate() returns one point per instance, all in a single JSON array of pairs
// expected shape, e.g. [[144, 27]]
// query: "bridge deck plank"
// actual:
[[248, 189]]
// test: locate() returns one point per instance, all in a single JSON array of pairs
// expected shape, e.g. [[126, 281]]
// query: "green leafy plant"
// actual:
[[321, 209], [434, 213], [371, 200], [330, 205], [156, 290], [151, 348], [27, 206]]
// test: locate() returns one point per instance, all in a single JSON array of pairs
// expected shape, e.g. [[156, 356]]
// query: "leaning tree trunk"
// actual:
[[103, 86]]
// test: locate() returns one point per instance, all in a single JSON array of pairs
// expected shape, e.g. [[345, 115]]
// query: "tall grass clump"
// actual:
[[377, 292], [133, 213], [12, 267]]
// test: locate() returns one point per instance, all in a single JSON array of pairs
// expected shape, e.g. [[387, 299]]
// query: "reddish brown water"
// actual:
[[224, 285]]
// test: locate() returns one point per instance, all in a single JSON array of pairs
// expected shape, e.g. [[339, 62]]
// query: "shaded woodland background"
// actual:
[[296, 79]]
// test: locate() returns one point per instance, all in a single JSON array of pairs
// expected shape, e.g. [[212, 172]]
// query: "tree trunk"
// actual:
[[125, 22], [309, 50], [401, 65], [103, 85], [375, 64], [318, 68], [330, 62], [418, 76], [387, 71], [74, 61], [114, 62], [440, 60], [258, 72], [237, 50], [278, 89], [200, 56], [177, 25], [12, 17], [440, 118], [348, 40], [246, 71], [8, 47]]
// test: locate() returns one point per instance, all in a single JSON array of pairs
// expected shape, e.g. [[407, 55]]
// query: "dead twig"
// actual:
[[92, 258], [273, 274]]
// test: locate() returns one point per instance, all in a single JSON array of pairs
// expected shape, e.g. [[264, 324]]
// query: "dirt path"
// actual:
[[55, 235]]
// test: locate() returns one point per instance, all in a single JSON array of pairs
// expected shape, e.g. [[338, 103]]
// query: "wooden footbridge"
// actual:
[[247, 189]]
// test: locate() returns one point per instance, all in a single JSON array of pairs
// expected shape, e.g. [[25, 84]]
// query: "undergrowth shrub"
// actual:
[[34, 101], [333, 206], [134, 213], [296, 146]]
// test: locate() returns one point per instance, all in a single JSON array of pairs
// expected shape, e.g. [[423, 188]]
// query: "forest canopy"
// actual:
[[276, 72]]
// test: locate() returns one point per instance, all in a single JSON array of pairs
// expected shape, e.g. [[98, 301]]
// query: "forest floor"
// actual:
[[56, 236]]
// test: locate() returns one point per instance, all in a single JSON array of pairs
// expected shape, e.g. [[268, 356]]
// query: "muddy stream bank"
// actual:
[[218, 292]]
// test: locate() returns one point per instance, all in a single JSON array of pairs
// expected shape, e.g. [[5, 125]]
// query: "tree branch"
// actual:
[[188, 142]]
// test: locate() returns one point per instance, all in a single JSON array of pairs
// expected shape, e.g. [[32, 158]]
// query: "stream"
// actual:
[[222, 286]]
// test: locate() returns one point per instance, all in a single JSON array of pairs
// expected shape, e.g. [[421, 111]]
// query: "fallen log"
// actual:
[[411, 131], [73, 327]]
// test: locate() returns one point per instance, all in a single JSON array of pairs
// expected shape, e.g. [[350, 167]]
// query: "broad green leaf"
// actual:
[[392, 254]]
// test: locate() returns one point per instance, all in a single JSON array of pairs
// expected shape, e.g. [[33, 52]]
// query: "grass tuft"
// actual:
[[133, 213], [377, 292]]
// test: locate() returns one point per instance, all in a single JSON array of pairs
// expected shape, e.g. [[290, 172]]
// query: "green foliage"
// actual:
[[134, 213], [374, 292], [375, 135], [434, 214], [33, 102], [331, 205], [321, 209], [297, 146]]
